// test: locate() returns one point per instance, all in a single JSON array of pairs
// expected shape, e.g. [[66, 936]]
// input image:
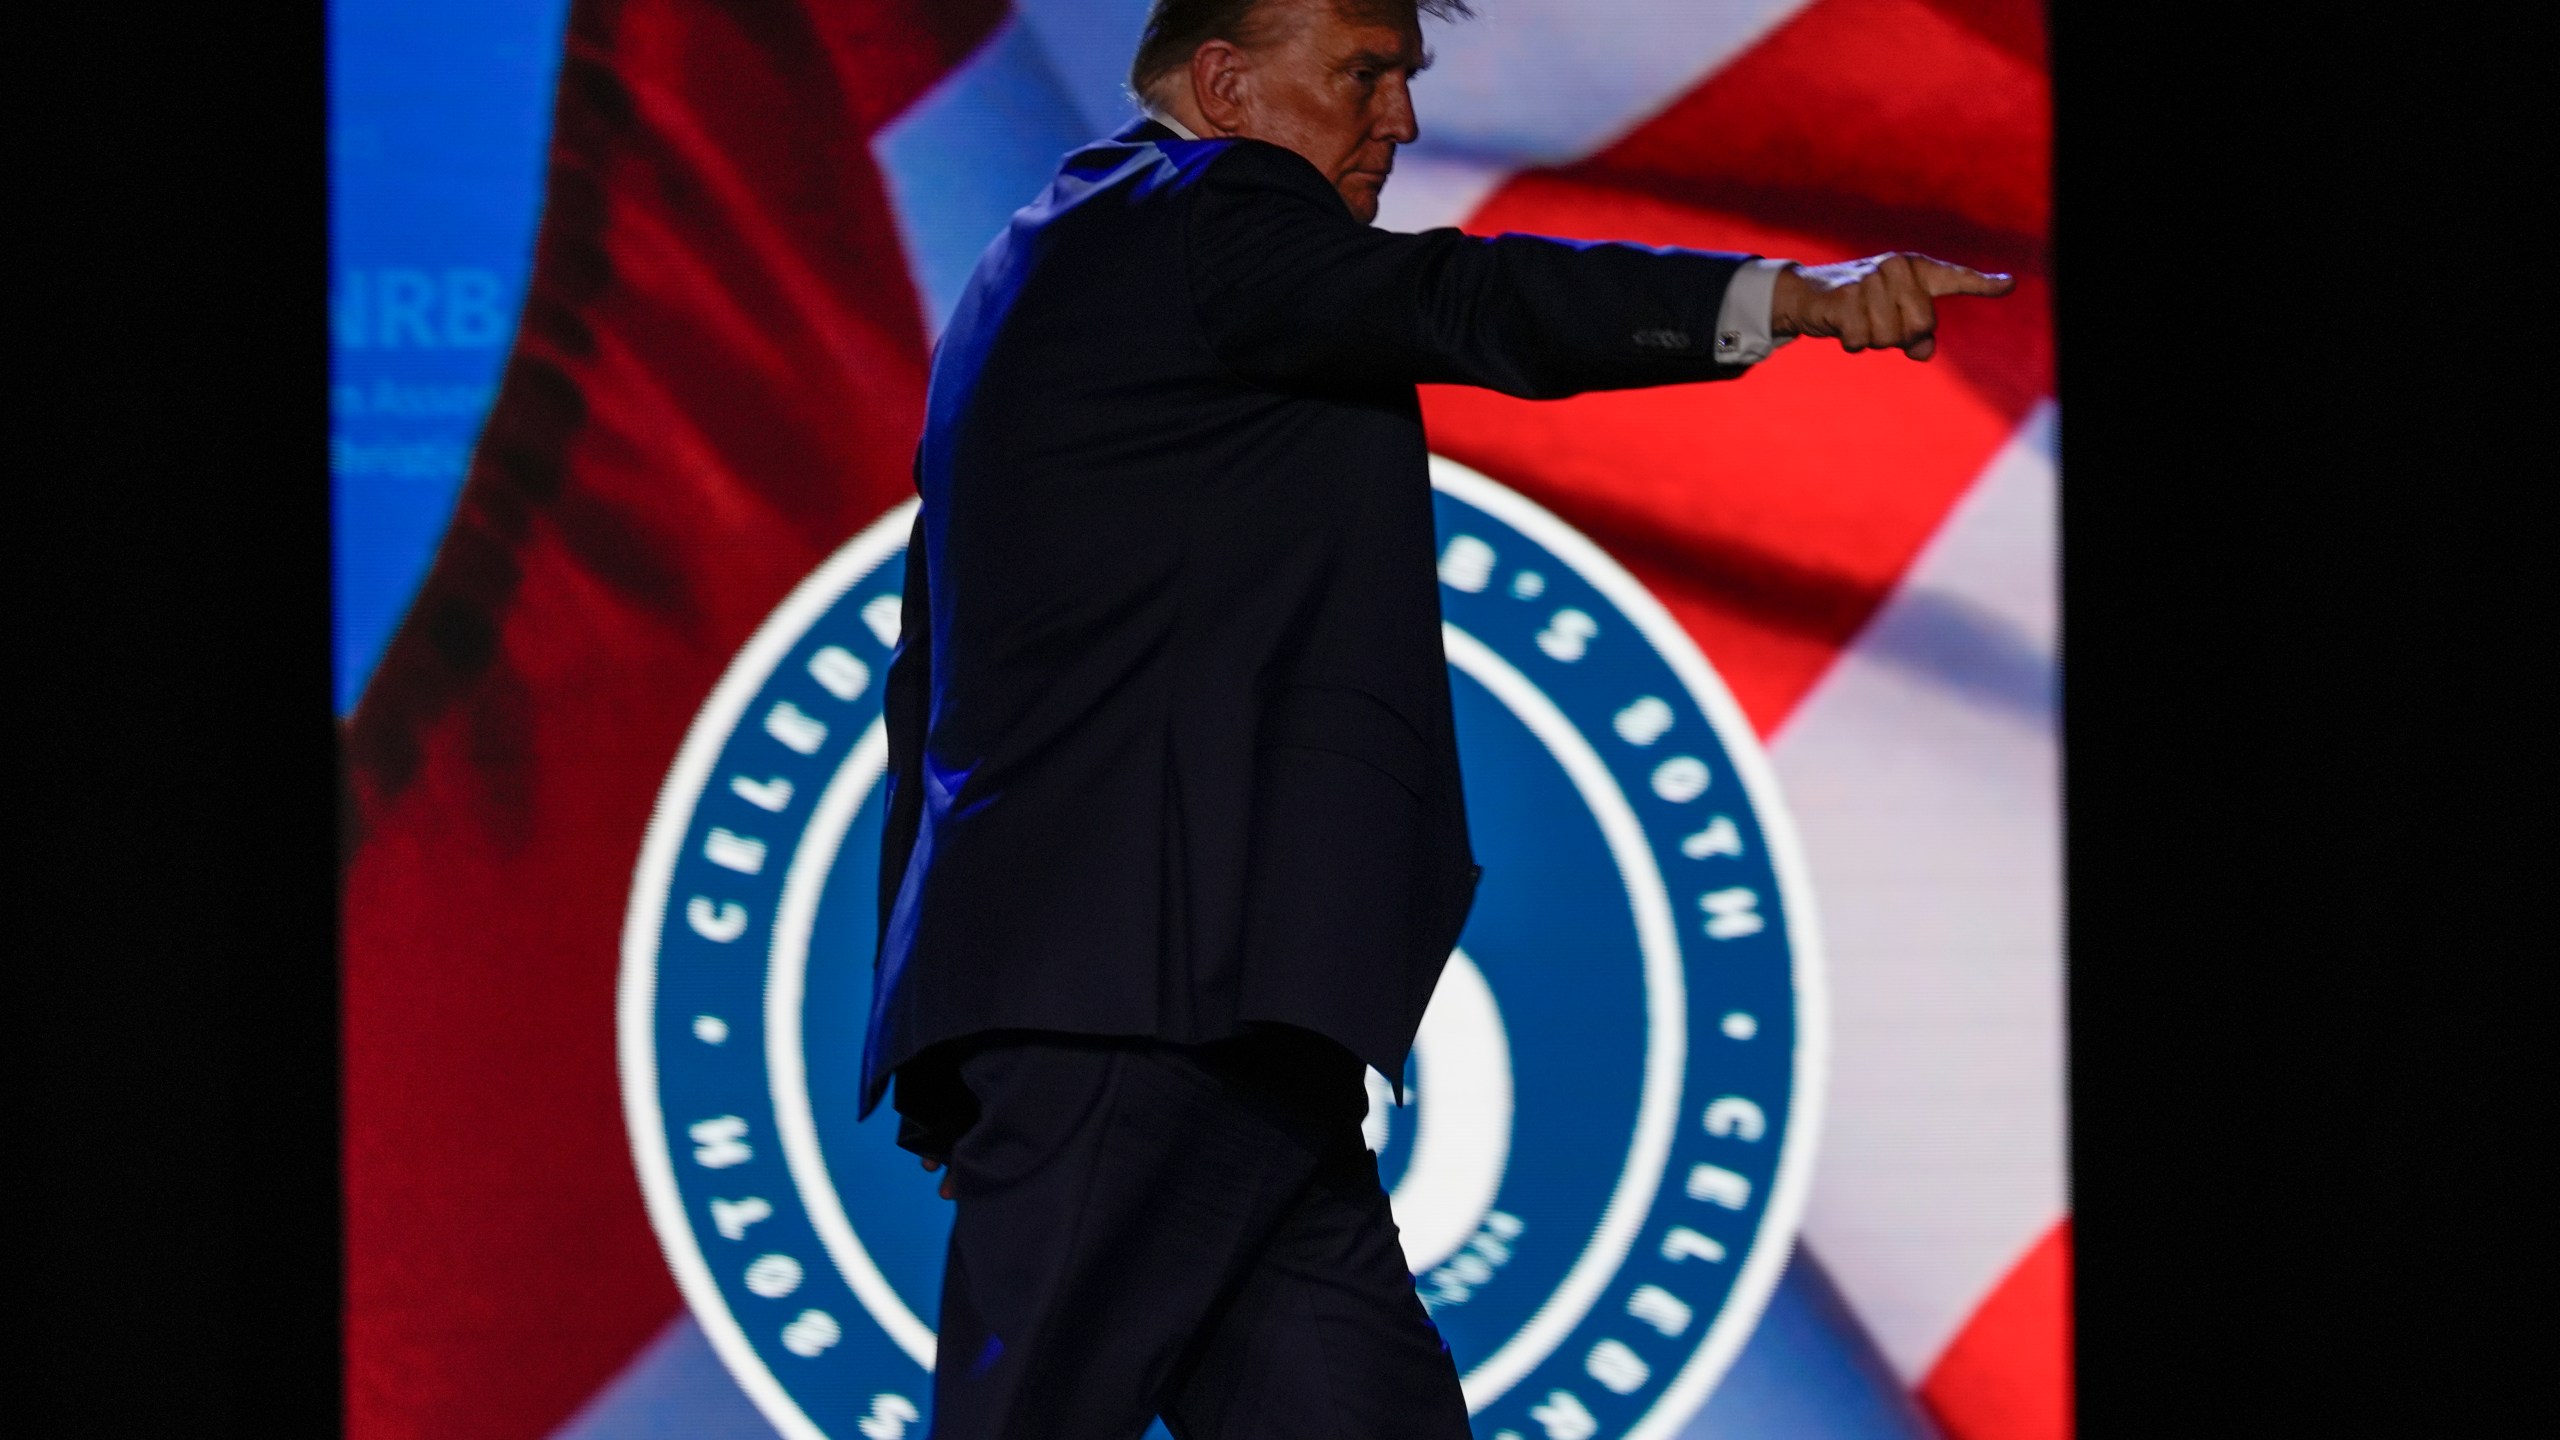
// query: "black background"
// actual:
[[2305, 626]]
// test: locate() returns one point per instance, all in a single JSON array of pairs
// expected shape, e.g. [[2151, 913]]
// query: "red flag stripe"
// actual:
[[2007, 1374], [1773, 516]]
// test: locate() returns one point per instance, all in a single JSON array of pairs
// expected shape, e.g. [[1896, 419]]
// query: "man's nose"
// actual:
[[1397, 123]]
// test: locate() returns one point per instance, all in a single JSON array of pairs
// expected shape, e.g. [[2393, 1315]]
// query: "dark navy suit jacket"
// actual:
[[1169, 732]]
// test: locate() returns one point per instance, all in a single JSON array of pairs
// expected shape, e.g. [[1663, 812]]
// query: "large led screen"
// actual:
[[1739, 1110]]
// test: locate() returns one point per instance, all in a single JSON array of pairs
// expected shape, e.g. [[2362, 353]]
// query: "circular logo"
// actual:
[[1613, 1095]]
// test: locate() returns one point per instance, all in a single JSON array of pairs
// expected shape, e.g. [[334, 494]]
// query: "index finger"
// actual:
[[1940, 278]]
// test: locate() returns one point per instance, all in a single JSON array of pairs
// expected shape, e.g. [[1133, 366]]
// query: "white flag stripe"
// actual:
[[1535, 82], [1528, 82], [1923, 775], [1547, 82]]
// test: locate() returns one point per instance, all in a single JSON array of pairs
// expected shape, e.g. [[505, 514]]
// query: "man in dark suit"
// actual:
[[1175, 840]]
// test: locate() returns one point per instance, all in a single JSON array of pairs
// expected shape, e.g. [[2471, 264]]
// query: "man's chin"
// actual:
[[1362, 196]]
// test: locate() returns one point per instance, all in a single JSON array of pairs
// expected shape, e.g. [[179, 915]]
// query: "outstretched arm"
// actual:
[[1292, 291]]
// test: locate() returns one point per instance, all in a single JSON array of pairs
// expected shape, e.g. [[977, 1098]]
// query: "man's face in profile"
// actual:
[[1331, 79]]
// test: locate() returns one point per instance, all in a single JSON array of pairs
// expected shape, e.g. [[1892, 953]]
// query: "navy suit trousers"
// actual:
[[1196, 1232]]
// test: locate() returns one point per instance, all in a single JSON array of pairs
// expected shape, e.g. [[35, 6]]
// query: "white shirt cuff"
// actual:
[[1742, 321]]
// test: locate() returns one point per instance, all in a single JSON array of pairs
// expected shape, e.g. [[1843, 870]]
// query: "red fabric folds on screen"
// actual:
[[718, 379], [1775, 515], [2007, 1374]]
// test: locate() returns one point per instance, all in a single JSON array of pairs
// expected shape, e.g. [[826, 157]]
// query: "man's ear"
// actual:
[[1219, 81]]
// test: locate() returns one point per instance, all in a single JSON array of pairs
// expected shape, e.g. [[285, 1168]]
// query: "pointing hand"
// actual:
[[1883, 300]]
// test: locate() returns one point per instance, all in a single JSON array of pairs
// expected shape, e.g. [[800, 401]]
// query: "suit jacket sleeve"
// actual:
[[906, 699], [1291, 291]]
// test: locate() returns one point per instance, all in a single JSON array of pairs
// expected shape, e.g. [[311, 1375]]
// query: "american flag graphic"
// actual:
[[757, 215]]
